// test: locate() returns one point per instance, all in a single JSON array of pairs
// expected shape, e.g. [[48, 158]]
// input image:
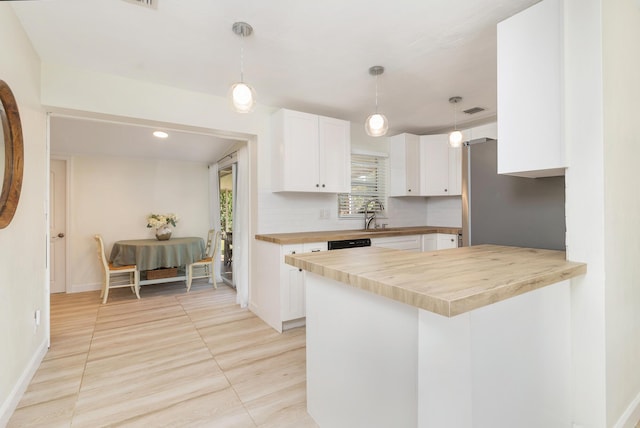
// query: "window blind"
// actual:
[[368, 182]]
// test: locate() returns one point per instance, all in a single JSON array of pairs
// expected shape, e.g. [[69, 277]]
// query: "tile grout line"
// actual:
[[216, 361], [84, 368]]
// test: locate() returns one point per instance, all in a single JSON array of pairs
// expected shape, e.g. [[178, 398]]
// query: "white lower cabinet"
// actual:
[[439, 241], [278, 289], [291, 286], [408, 243]]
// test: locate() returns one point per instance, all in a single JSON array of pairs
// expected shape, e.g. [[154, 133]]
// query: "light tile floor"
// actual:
[[171, 359]]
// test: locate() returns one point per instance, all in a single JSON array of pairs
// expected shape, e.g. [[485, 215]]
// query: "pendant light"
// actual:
[[242, 96], [455, 138], [376, 124]]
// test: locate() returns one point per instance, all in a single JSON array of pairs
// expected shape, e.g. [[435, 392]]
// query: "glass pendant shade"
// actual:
[[455, 139], [243, 97], [376, 125]]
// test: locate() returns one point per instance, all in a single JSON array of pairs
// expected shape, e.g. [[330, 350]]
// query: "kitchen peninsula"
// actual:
[[473, 336], [279, 298]]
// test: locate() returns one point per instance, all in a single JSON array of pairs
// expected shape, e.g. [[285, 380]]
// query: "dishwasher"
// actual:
[[348, 243]]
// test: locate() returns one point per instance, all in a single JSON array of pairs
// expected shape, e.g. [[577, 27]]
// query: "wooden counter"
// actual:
[[447, 282], [337, 235], [380, 353]]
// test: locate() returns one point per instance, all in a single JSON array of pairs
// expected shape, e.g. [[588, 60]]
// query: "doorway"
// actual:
[[226, 178]]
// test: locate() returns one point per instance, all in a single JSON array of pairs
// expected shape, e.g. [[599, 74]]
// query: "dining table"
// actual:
[[150, 254]]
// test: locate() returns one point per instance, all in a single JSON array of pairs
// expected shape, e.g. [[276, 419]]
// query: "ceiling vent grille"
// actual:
[[150, 4], [473, 110]]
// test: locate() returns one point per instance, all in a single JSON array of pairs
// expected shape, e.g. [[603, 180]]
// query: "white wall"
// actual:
[[585, 206], [113, 196], [23, 243], [621, 32], [444, 211]]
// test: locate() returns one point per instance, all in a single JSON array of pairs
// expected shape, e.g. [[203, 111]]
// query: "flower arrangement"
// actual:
[[157, 220]]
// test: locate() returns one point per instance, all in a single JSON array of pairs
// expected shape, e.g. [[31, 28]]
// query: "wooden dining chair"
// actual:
[[204, 268], [113, 275]]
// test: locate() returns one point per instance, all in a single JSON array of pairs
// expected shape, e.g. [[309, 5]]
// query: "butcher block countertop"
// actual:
[[339, 235], [447, 282]]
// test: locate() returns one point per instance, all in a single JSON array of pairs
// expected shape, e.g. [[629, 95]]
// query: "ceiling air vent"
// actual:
[[151, 4], [473, 110]]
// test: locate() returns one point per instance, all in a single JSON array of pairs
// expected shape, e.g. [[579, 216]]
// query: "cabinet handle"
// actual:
[[323, 185], [409, 189], [451, 239], [299, 270], [317, 251], [445, 190], [317, 185], [293, 252]]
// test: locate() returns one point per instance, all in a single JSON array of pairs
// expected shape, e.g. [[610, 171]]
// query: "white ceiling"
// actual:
[[75, 136], [304, 55]]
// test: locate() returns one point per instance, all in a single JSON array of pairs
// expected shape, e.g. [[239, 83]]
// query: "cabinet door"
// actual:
[[293, 306], [293, 281], [404, 165], [334, 155], [446, 241], [291, 286], [530, 92], [414, 167], [435, 162], [430, 242], [295, 156]]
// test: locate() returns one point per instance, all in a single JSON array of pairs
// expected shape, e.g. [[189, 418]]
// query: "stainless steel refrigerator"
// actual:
[[507, 210]]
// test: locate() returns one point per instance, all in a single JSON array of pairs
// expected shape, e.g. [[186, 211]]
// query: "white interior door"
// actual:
[[57, 225]]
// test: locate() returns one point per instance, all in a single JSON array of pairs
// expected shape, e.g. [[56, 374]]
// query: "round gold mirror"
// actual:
[[11, 155]]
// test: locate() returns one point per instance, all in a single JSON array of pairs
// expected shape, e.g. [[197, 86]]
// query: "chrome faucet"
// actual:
[[368, 219]]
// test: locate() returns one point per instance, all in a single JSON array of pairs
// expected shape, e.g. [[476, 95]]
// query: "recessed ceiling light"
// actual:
[[160, 134]]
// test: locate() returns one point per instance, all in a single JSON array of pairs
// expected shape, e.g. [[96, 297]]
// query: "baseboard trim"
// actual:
[[11, 402], [631, 415], [80, 288]]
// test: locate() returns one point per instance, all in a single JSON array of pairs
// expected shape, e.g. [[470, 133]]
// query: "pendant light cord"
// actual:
[[455, 117], [376, 93], [242, 58]]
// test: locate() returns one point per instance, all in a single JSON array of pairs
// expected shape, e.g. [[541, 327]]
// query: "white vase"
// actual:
[[163, 232]]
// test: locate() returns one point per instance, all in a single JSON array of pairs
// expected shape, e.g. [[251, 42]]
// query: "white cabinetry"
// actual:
[[530, 92], [442, 166], [408, 242], [291, 286], [424, 166], [310, 153], [278, 295], [439, 241], [404, 165]]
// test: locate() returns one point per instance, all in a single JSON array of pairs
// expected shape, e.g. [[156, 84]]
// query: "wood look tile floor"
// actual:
[[171, 359]]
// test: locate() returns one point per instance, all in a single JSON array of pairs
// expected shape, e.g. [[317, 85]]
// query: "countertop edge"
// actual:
[[444, 307], [335, 235]]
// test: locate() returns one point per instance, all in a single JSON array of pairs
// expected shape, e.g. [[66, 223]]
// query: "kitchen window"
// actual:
[[368, 182]]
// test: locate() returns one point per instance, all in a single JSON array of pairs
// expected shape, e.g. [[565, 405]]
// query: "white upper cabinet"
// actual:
[[442, 166], [530, 92], [424, 166], [310, 153], [334, 155], [404, 165]]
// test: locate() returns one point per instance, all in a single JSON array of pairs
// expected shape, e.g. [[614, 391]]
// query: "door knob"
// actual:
[[60, 235]]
